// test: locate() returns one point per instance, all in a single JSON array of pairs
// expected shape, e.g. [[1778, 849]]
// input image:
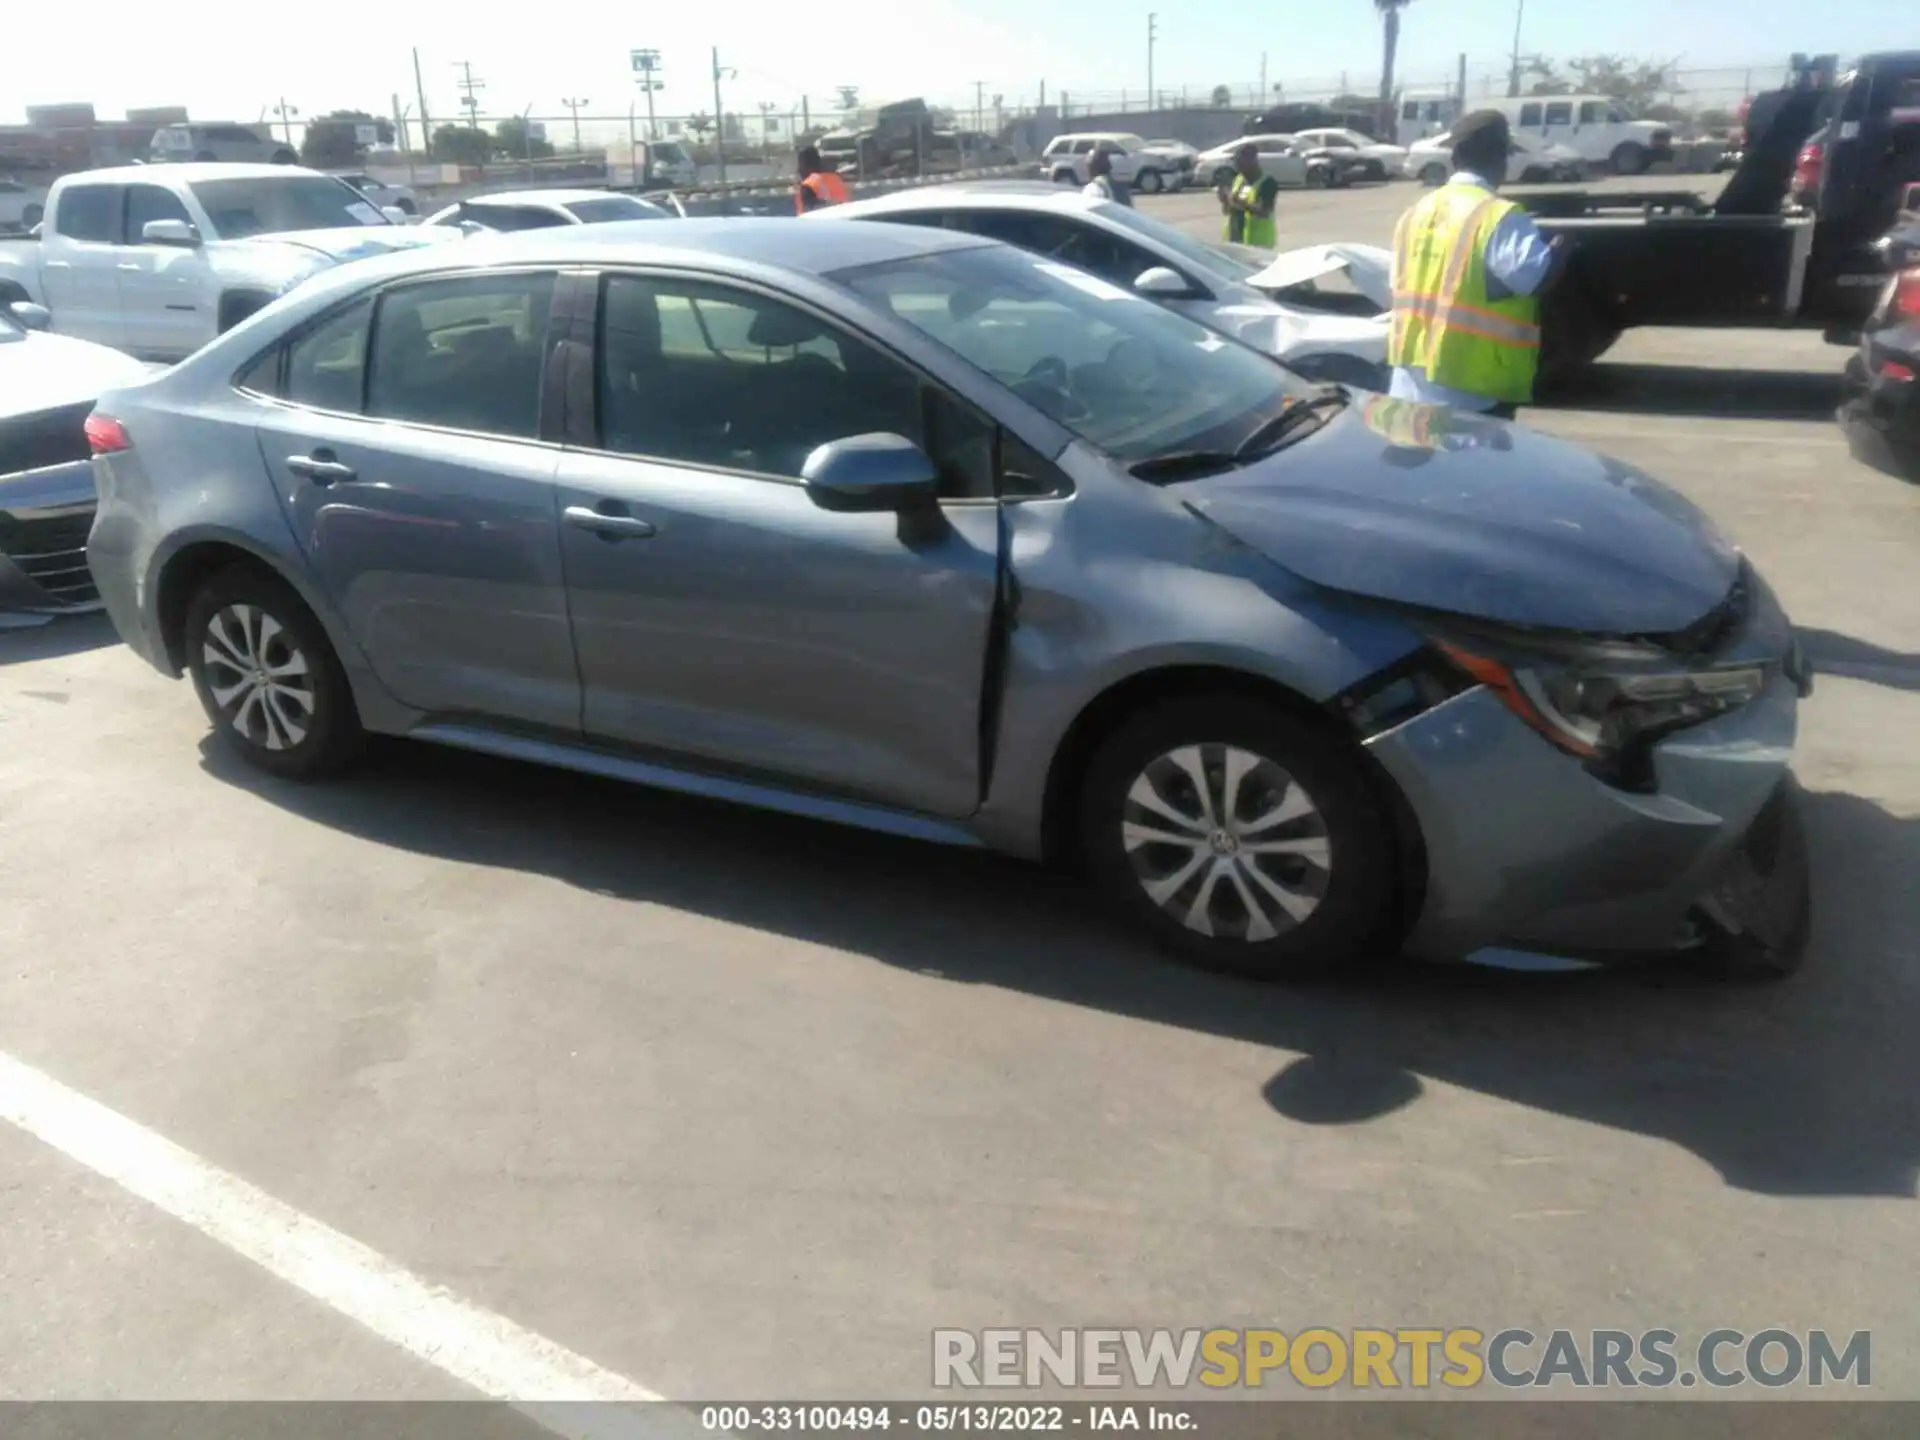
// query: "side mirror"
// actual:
[[868, 473], [34, 317], [170, 232], [1162, 283]]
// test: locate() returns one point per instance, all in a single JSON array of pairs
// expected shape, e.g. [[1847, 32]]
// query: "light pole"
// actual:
[[1513, 75], [575, 106], [1153, 33], [646, 69], [719, 115]]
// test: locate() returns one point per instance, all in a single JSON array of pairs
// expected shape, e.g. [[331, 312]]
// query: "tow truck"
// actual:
[[1755, 256]]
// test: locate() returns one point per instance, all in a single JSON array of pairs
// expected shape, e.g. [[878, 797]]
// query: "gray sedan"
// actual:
[[915, 531]]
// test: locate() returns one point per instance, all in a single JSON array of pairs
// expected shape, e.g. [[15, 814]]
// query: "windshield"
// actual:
[[1121, 372], [669, 151], [1131, 142], [1234, 263], [615, 207], [275, 205]]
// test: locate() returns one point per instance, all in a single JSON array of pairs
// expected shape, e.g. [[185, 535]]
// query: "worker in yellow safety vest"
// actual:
[[1247, 200], [1468, 272]]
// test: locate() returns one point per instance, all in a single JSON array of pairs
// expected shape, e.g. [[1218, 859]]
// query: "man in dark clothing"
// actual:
[[1248, 200]]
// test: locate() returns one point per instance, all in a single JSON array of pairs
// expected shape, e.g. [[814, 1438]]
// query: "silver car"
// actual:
[[915, 531]]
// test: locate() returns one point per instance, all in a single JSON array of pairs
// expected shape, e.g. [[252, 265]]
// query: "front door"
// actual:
[[168, 297], [427, 510], [79, 263], [719, 613]]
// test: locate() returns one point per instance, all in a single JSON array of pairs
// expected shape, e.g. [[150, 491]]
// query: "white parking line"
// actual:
[[545, 1381]]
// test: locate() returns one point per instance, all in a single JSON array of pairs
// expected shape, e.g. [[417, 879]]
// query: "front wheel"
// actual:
[[1323, 177], [1629, 159], [1065, 177], [1148, 182], [268, 678], [1240, 837]]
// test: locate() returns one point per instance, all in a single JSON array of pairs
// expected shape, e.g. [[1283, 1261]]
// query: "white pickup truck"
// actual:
[[156, 260]]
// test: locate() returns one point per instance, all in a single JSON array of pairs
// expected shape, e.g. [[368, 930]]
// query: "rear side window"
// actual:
[[1560, 112], [90, 212], [326, 367], [1530, 114], [464, 353]]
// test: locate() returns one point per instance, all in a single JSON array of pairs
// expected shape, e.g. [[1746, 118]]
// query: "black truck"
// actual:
[[1754, 256]]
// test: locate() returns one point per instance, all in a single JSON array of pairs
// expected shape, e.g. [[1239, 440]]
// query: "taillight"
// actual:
[[106, 435], [1806, 167], [1904, 303], [1894, 370]]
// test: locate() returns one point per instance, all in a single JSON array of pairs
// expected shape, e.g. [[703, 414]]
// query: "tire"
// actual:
[[1065, 177], [1433, 174], [1323, 176], [1148, 182], [1628, 158], [1339, 873], [238, 305], [283, 157], [206, 155], [244, 625], [12, 294], [32, 216]]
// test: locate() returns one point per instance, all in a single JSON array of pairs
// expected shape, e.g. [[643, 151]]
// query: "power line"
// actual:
[[470, 89]]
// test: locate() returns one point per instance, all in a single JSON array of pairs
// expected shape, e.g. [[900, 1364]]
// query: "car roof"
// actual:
[[189, 171], [721, 245], [1013, 195], [548, 197]]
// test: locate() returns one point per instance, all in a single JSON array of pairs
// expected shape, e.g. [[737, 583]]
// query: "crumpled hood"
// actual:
[[1429, 507], [46, 372], [356, 242], [1368, 268], [1282, 331]]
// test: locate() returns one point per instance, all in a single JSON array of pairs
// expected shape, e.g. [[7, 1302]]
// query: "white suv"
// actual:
[[239, 143], [1134, 162]]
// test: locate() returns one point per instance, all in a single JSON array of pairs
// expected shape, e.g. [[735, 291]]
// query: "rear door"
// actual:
[[407, 448], [719, 612], [79, 263], [1557, 125]]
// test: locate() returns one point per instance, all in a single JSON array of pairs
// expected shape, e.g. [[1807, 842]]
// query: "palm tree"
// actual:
[[1389, 47]]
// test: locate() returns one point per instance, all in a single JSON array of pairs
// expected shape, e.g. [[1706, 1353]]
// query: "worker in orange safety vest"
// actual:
[[818, 185]]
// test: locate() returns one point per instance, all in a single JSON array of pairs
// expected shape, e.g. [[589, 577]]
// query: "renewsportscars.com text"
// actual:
[[1411, 1358]]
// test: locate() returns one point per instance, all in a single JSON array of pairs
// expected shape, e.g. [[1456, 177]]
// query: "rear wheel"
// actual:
[[1239, 836], [1323, 176], [1148, 182], [268, 678], [1222, 176], [1064, 177], [283, 157], [1629, 159], [1433, 174]]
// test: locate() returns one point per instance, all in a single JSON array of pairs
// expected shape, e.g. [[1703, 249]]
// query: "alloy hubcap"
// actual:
[[1226, 842], [258, 677]]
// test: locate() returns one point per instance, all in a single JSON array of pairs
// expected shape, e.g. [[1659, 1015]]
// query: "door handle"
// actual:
[[609, 527], [129, 265], [320, 467]]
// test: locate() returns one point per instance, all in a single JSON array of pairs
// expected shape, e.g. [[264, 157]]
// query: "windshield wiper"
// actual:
[[1184, 464], [1291, 422]]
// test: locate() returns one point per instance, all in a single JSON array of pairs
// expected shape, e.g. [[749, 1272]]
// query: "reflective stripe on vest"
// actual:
[[1444, 319]]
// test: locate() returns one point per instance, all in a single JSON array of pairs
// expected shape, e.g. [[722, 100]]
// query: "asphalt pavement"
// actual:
[[713, 1104]]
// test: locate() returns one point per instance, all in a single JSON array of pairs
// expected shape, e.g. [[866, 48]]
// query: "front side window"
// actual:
[[707, 375], [150, 202], [277, 205], [1590, 112], [462, 353], [1125, 374], [1530, 114], [90, 212], [1616, 116], [1410, 110], [1088, 246]]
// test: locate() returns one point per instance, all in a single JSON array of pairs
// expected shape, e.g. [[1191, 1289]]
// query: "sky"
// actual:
[[229, 63]]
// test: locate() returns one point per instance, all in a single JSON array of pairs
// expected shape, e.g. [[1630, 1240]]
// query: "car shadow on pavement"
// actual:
[[1701, 390], [61, 635], [1801, 1088], [1835, 654]]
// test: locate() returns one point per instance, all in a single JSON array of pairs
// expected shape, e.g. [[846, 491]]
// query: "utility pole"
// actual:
[[1513, 75], [979, 104], [646, 65], [1461, 89], [1153, 33], [420, 89], [576, 106], [1263, 79], [719, 117], [470, 89], [286, 113]]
